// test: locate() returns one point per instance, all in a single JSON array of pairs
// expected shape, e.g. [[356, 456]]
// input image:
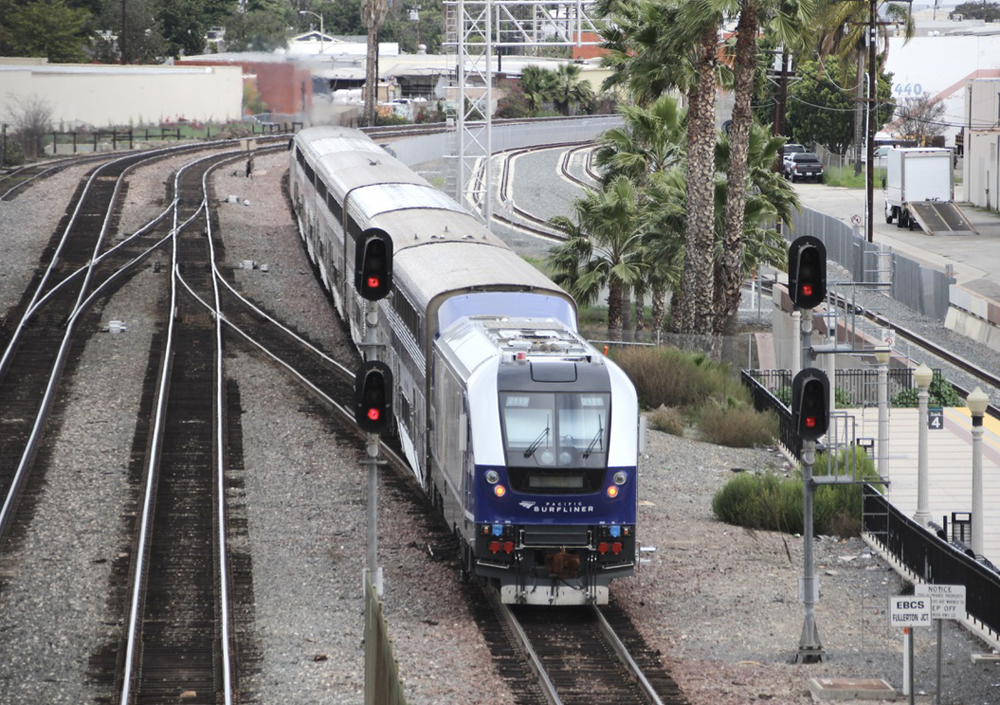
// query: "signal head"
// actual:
[[373, 396], [811, 404], [373, 264], [807, 272]]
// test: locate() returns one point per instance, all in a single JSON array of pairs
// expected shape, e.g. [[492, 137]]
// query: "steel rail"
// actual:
[[626, 658], [156, 442]]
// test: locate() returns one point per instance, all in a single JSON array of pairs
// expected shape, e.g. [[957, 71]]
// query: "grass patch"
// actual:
[[689, 387], [666, 419], [737, 426], [835, 175], [769, 502]]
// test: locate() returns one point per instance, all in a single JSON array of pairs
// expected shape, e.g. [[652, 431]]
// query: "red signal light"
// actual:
[[373, 414], [373, 282], [810, 422], [807, 290]]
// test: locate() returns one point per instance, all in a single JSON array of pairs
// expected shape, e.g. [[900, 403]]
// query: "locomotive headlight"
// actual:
[[620, 478], [492, 477]]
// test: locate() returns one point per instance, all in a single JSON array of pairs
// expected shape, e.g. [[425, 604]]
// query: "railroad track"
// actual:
[[581, 655]]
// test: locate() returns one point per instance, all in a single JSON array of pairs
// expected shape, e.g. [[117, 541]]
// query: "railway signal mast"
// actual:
[[373, 381], [810, 416]]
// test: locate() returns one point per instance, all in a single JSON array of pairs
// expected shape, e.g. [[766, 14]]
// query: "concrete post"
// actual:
[[923, 376], [977, 402]]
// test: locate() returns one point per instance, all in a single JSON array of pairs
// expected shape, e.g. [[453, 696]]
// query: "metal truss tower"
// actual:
[[478, 28]]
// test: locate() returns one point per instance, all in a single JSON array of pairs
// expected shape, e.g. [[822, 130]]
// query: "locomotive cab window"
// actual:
[[555, 442]]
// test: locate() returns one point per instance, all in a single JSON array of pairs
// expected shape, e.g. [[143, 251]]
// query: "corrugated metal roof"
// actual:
[[383, 198], [440, 266]]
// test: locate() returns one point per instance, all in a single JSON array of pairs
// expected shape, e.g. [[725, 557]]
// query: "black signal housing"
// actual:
[[807, 271], [811, 403], [373, 264], [373, 396]]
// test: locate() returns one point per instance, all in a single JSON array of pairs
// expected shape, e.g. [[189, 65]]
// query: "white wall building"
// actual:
[[104, 95], [981, 169]]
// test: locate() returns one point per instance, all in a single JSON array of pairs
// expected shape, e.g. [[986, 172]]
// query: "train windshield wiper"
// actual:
[[598, 437], [543, 436]]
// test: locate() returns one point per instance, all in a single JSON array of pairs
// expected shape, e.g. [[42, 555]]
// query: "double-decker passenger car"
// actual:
[[524, 435]]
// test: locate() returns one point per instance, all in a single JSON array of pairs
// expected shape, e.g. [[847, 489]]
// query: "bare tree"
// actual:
[[31, 117], [920, 119]]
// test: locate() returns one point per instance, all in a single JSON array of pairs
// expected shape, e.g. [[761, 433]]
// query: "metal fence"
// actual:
[[771, 390], [933, 559], [382, 683], [923, 289]]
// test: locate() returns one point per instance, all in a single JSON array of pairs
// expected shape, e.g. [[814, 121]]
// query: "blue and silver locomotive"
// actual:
[[523, 434]]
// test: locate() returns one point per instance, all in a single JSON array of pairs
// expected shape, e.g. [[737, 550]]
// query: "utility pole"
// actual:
[[872, 119]]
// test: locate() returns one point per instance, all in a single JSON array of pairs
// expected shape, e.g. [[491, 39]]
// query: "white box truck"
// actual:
[[920, 191]]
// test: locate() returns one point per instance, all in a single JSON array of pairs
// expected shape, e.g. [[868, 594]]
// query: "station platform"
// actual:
[[949, 466]]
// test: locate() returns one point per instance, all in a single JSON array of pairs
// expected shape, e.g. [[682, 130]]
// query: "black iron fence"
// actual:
[[764, 399], [852, 387], [771, 390], [934, 559]]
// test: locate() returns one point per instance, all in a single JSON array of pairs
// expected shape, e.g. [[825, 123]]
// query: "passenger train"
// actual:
[[525, 436]]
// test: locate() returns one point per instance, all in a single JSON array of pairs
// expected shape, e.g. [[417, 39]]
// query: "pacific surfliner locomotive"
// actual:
[[523, 434]]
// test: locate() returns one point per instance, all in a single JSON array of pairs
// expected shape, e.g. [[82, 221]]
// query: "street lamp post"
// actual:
[[923, 376], [977, 402], [322, 34], [882, 461]]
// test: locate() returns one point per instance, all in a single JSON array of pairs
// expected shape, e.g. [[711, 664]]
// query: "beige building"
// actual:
[[101, 95]]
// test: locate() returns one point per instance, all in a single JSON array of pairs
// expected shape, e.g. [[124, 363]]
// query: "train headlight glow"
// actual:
[[612, 491], [620, 478], [492, 477]]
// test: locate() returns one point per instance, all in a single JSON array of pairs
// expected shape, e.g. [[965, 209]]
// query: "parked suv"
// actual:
[[803, 165]]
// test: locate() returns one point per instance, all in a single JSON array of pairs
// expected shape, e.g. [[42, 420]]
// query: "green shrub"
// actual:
[[940, 393], [768, 502], [737, 425], [666, 419]]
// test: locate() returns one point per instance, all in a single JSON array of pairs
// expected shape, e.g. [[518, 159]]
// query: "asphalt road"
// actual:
[[975, 258]]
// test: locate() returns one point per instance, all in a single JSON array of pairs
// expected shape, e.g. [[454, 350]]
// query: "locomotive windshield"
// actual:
[[556, 442]]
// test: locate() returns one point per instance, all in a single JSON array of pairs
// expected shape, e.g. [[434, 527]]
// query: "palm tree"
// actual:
[[769, 200], [650, 140], [601, 249], [787, 21], [655, 47], [538, 85], [571, 90]]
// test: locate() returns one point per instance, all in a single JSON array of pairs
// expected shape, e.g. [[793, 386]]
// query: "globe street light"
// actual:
[[322, 34], [922, 376], [977, 402]]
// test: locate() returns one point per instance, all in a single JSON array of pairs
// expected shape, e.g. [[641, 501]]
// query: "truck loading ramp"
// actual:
[[941, 218]]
